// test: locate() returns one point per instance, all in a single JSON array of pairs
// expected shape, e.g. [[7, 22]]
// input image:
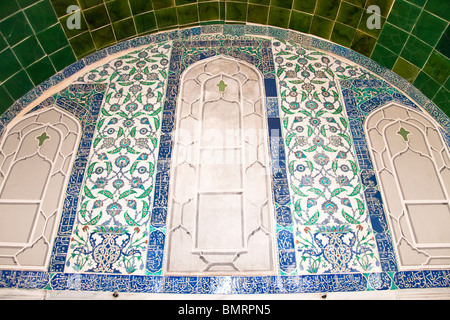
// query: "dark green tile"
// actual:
[[406, 70], [236, 11], [208, 11], [187, 14], [349, 14], [161, 4], [393, 38], [52, 39], [371, 24], [61, 6], [443, 45], [82, 44], [140, 6], [419, 3], [181, 2], [304, 5], [103, 37], [3, 43], [384, 56], [166, 17], [26, 3], [363, 43], [41, 70], [426, 85], [96, 17], [440, 8], [287, 4], [222, 11], [442, 100], [8, 7], [84, 4], [300, 21], [279, 17], [118, 10], [8, 64], [28, 51], [63, 58], [404, 15], [70, 33], [264, 2], [124, 29], [5, 100], [429, 28], [416, 51], [321, 27], [257, 14], [41, 15], [447, 84], [15, 28], [438, 67], [384, 5], [327, 8], [359, 3], [145, 22], [342, 34], [18, 85]]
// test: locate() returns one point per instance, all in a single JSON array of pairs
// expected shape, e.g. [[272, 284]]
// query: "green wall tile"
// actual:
[[52, 39], [3, 43], [18, 85], [257, 14], [63, 58], [140, 6], [236, 11], [96, 17], [208, 11], [416, 51], [365, 26], [384, 56], [419, 3], [41, 70], [118, 10], [426, 84], [442, 99], [406, 70], [342, 34], [349, 14], [5, 100], [145, 22], [181, 2], [84, 4], [393, 38], [8, 7], [321, 27], [384, 5], [363, 43], [300, 21], [287, 4], [61, 6], [429, 28], [70, 33], [82, 44], [440, 8], [187, 14], [304, 5], [404, 15], [26, 3], [438, 67], [166, 17], [279, 17], [41, 15], [161, 4], [8, 64], [124, 29], [103, 37], [28, 51], [265, 2], [327, 8], [15, 28], [443, 46]]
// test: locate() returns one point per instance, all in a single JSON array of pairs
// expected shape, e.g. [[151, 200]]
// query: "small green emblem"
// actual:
[[222, 86], [42, 138], [404, 133]]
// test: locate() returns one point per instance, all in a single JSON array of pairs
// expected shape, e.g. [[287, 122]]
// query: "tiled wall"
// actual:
[[35, 41]]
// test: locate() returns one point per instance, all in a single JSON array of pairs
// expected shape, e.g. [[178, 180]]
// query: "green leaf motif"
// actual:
[[145, 193], [88, 193], [83, 208], [313, 219], [107, 194], [95, 220], [349, 218], [297, 191], [91, 169], [356, 190], [126, 194], [145, 209], [130, 220], [361, 206]]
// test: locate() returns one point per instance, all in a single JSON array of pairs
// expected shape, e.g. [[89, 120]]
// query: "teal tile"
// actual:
[[187, 14], [18, 85], [406, 70], [342, 34], [118, 10], [363, 43], [15, 28], [393, 38], [429, 28], [96, 17], [61, 6], [416, 51], [404, 15], [5, 100], [63, 58], [82, 44], [349, 14], [321, 27], [8, 7], [257, 14], [279, 17], [327, 8], [384, 56], [52, 39], [8, 64], [145, 22], [166, 18], [236, 11], [103, 37], [41, 15], [443, 45], [426, 85], [304, 5], [300, 21], [41, 70], [140, 6], [208, 11], [70, 30], [442, 100], [440, 8], [28, 51], [124, 29], [161, 4], [84, 4], [287, 4], [438, 67]]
